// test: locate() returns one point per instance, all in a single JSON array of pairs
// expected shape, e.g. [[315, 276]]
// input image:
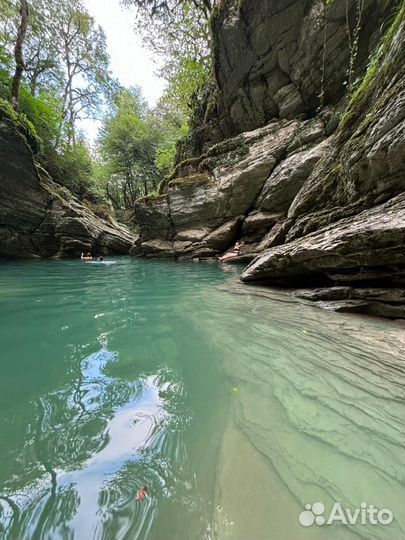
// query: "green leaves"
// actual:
[[179, 32], [65, 53], [128, 142]]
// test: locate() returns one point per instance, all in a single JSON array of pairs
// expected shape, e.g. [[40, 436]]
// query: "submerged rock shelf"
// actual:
[[235, 405], [320, 398]]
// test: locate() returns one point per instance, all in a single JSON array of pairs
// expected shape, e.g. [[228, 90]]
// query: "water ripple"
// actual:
[[234, 405]]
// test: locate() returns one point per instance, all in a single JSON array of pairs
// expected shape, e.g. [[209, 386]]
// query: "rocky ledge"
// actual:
[[316, 193], [240, 187], [366, 248], [39, 218], [347, 222]]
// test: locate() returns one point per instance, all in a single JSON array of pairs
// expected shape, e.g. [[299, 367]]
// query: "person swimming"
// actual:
[[141, 494], [101, 258], [87, 257]]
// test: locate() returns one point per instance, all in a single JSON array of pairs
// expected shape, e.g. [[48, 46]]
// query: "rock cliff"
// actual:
[[308, 174], [287, 58], [39, 218]]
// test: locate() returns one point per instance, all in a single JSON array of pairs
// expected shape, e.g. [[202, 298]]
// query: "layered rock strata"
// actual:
[[39, 218], [308, 175]]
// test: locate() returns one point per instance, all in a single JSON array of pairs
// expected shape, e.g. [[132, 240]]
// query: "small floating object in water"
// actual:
[[305, 331], [235, 389], [141, 494]]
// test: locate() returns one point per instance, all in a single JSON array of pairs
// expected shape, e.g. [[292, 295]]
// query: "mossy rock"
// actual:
[[191, 162], [152, 197], [192, 180], [375, 72], [22, 124]]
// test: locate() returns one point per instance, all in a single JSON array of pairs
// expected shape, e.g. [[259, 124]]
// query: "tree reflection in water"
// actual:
[[88, 448]]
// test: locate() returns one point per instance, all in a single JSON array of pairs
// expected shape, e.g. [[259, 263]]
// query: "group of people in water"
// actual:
[[228, 256], [89, 257]]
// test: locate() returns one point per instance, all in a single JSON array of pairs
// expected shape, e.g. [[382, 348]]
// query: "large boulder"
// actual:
[[364, 247]]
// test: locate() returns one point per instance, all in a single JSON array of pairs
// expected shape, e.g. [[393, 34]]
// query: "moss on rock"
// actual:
[[375, 71], [152, 197], [187, 164], [21, 122], [192, 180]]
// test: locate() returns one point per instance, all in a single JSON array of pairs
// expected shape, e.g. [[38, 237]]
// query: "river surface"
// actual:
[[235, 407]]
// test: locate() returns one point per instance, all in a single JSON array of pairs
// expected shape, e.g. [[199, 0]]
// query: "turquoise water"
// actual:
[[234, 409]]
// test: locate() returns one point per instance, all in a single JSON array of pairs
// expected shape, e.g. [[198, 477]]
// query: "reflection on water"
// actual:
[[233, 409], [98, 400], [88, 438]]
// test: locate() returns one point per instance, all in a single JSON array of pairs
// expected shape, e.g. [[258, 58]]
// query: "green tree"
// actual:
[[85, 63], [128, 142], [179, 32], [172, 122], [19, 54], [176, 30], [65, 51]]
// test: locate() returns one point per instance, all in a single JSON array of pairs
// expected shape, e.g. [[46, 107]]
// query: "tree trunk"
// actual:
[[33, 84], [19, 55], [114, 200]]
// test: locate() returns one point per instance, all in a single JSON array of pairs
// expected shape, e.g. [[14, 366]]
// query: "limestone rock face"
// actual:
[[233, 180], [283, 58], [363, 247], [195, 200], [366, 166], [287, 179], [347, 221], [311, 179], [258, 223], [222, 237], [153, 213], [38, 218]]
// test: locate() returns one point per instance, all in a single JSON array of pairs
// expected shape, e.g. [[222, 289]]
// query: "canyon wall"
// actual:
[[302, 154], [39, 218]]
